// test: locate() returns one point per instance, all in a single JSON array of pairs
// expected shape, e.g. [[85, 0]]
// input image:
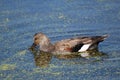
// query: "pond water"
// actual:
[[58, 19]]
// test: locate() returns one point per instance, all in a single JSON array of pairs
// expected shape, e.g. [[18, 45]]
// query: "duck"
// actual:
[[67, 46]]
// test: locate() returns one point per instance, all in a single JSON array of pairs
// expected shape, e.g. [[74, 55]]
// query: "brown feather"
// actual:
[[67, 45]]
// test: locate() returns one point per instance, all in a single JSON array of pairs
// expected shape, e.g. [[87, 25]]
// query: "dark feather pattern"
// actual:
[[77, 47]]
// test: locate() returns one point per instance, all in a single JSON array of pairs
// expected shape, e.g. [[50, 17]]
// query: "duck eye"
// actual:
[[36, 38]]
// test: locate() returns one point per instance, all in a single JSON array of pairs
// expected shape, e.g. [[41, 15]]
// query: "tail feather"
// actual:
[[104, 36], [100, 38], [94, 45]]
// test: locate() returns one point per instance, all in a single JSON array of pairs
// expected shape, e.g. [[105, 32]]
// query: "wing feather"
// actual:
[[69, 44]]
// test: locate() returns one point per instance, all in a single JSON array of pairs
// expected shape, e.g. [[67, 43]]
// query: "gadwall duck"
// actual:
[[79, 44]]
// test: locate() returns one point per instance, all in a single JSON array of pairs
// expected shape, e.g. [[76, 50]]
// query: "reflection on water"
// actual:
[[42, 59]]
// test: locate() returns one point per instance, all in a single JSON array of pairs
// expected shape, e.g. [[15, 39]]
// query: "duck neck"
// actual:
[[47, 46]]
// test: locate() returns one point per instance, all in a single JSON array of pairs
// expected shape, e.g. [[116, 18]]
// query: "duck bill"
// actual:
[[33, 45]]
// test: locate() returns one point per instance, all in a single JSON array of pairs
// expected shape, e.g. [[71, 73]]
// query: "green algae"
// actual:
[[20, 53], [39, 70], [7, 67], [17, 55], [54, 66], [46, 71]]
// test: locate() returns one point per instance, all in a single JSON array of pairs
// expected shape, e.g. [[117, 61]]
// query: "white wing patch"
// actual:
[[84, 47]]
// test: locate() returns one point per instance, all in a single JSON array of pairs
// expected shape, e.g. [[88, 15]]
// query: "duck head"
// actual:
[[41, 39]]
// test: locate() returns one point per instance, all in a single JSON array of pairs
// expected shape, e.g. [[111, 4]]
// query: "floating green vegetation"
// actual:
[[17, 55], [46, 71], [54, 66], [7, 67], [20, 53], [39, 70]]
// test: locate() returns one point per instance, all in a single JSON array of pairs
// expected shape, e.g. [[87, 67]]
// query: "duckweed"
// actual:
[[22, 52], [7, 67]]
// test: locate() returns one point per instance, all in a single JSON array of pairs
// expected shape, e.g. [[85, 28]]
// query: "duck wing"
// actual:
[[78, 44]]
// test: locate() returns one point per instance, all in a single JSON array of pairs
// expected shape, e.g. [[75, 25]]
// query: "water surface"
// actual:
[[20, 20]]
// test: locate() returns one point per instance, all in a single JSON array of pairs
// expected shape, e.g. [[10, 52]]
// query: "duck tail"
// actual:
[[103, 37]]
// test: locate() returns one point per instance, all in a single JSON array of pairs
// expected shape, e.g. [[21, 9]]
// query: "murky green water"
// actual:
[[20, 20]]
